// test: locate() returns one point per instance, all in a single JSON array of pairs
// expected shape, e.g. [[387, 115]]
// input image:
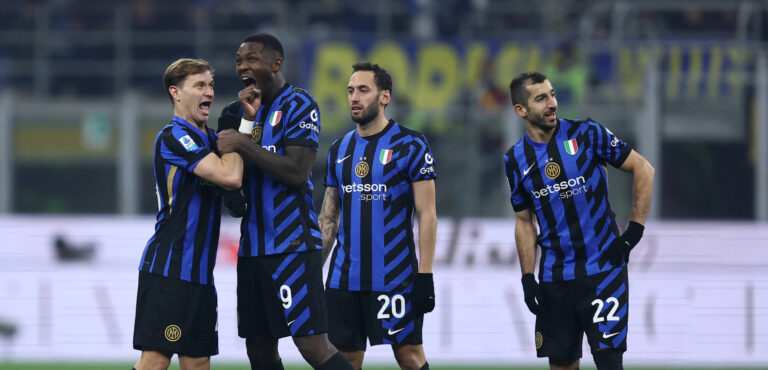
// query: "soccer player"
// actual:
[[557, 177], [279, 267], [376, 176], [176, 302]]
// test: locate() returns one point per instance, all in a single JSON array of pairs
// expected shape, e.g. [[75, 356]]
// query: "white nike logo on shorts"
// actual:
[[606, 336], [393, 332]]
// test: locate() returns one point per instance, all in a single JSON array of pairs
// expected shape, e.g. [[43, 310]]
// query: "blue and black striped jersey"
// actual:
[[280, 219], [375, 248], [565, 183], [187, 229]]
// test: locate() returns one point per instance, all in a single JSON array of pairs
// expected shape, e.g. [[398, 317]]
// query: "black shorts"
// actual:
[[281, 295], [596, 305], [384, 318], [175, 316]]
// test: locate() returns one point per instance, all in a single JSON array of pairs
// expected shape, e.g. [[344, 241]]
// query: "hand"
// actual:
[[250, 100], [235, 202], [532, 293], [618, 251], [229, 140], [423, 293]]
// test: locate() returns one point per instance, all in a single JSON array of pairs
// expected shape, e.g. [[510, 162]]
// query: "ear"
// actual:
[[385, 97], [174, 91], [277, 65], [521, 111]]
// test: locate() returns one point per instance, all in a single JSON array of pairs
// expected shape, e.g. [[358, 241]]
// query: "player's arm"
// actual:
[[642, 188], [525, 238], [424, 205], [291, 169], [225, 171], [330, 213]]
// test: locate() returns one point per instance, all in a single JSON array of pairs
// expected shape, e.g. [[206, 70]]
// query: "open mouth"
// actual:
[[248, 81], [356, 109], [205, 106]]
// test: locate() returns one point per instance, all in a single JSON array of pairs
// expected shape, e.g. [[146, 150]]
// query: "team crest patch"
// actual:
[[571, 146], [539, 340], [256, 133], [172, 333], [361, 169], [385, 156], [188, 143], [274, 118], [552, 170]]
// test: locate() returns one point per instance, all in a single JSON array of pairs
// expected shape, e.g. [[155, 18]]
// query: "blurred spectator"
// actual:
[[569, 74]]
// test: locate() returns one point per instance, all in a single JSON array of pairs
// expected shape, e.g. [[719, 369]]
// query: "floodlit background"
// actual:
[[685, 82]]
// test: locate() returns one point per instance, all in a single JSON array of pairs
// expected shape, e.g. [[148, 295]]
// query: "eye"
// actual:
[[252, 59]]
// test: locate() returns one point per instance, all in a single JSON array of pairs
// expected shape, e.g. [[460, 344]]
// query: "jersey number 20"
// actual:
[[397, 305]]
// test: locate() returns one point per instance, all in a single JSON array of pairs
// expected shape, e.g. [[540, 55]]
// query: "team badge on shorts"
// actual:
[[172, 333], [361, 169], [256, 133], [539, 340]]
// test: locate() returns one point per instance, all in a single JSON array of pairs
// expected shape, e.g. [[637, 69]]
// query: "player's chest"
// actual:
[[557, 161], [372, 163], [269, 130]]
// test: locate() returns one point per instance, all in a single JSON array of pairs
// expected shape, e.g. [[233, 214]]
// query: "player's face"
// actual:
[[364, 97], [257, 65], [194, 96], [542, 105]]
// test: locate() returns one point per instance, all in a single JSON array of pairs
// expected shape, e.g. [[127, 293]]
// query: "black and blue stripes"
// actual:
[[187, 229], [373, 176], [280, 219], [564, 182]]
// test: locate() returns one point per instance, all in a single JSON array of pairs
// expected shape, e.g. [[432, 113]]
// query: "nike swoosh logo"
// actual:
[[290, 322], [391, 332], [606, 336], [528, 170], [342, 159]]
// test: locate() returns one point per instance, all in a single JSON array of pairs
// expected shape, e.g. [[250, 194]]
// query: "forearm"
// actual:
[[233, 163], [282, 168], [329, 219], [642, 192], [525, 238], [427, 237]]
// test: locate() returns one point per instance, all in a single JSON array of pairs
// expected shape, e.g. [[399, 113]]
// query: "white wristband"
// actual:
[[246, 126]]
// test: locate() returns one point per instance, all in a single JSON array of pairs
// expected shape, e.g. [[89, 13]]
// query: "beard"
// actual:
[[367, 115], [539, 121]]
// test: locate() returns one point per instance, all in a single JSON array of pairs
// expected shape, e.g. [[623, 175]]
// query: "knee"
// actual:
[[410, 359], [609, 359], [316, 349], [262, 351], [560, 363], [151, 360]]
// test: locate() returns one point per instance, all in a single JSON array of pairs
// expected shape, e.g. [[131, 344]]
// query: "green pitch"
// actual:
[[128, 365]]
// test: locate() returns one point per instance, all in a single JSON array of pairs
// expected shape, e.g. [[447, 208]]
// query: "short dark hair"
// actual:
[[380, 75], [517, 90], [180, 69], [269, 41]]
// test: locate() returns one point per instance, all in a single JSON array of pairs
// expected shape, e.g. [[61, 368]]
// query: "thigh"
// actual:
[[558, 333], [390, 318], [175, 316], [603, 309], [346, 324], [297, 288], [253, 310]]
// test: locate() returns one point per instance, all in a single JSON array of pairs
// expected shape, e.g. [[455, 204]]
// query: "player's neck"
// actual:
[[373, 127], [538, 134], [200, 125]]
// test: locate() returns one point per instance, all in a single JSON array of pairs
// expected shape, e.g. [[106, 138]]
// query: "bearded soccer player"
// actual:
[[557, 177], [377, 175], [279, 266], [176, 301]]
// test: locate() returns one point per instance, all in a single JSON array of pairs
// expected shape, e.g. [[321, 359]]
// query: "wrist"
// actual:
[[246, 126], [633, 233]]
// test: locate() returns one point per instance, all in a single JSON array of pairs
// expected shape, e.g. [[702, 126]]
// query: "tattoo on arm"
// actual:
[[329, 219]]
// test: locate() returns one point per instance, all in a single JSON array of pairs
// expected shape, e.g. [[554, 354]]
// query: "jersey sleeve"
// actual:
[[330, 169], [181, 149], [302, 124], [518, 195], [230, 117], [609, 148], [421, 164]]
